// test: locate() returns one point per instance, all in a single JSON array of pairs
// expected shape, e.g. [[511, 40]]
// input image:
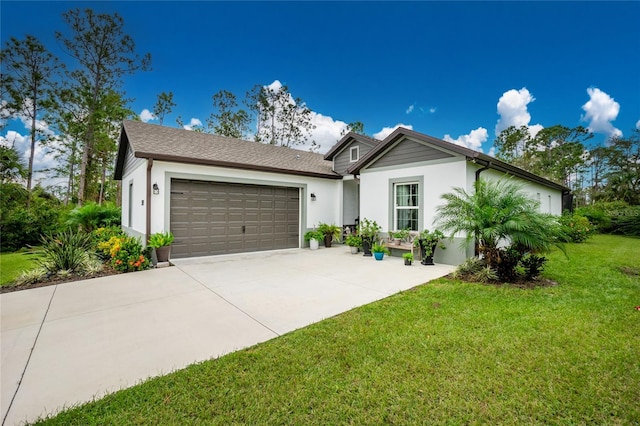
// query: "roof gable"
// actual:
[[477, 157], [346, 141], [185, 146], [406, 151]]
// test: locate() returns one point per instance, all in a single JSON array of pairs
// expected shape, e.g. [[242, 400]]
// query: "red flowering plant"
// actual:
[[128, 255]]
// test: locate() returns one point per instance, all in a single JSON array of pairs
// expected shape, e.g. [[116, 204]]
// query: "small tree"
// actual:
[[495, 214], [29, 72], [228, 120], [164, 105]]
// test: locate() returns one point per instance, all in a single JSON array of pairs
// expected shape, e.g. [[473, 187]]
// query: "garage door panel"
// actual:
[[207, 218]]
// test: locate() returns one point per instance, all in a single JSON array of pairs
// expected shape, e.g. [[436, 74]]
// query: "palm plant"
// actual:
[[498, 213]]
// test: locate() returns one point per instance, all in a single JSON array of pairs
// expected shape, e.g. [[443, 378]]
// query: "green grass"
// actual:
[[444, 353], [13, 264]]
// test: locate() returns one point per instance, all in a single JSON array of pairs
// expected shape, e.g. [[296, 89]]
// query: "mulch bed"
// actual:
[[522, 283], [55, 279]]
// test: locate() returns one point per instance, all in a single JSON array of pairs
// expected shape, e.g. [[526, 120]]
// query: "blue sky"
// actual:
[[453, 70]]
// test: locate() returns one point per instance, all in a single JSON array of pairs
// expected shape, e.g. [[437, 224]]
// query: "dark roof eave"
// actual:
[[516, 171], [120, 157], [227, 164]]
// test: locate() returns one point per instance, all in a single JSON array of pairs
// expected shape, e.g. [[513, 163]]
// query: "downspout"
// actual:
[[487, 166], [148, 227]]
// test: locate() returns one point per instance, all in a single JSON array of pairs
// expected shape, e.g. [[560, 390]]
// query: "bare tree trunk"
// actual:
[[83, 173], [33, 144]]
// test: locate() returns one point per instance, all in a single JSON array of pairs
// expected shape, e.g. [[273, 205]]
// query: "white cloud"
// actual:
[[512, 108], [326, 133], [638, 125], [386, 131], [410, 109], [147, 116], [193, 123], [492, 151], [600, 110], [473, 140], [43, 157], [432, 110]]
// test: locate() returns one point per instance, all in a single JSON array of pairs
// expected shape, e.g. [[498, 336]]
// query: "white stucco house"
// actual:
[[222, 195]]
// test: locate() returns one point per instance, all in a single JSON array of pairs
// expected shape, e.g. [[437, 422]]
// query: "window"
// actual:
[[354, 154], [130, 218], [406, 206]]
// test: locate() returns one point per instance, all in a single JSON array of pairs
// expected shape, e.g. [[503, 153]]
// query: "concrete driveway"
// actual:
[[66, 344]]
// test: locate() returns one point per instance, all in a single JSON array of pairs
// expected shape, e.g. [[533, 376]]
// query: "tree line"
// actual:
[[594, 173], [75, 109]]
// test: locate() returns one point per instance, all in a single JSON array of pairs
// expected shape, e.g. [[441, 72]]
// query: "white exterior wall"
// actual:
[[326, 208], [439, 178], [550, 199], [137, 176]]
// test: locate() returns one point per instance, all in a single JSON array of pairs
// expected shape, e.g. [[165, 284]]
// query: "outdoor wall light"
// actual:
[[313, 196], [156, 190]]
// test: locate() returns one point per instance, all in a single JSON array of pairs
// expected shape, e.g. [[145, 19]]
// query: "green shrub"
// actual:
[[576, 228], [127, 254], [508, 260], [626, 221], [21, 227], [65, 251], [101, 235], [468, 267], [533, 265], [31, 276], [92, 215], [485, 275]]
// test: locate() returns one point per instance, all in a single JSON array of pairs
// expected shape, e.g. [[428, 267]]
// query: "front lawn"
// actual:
[[13, 264], [444, 353]]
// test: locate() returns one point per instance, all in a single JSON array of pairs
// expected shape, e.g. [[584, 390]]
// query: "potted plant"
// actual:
[[313, 237], [428, 241], [379, 249], [161, 243], [408, 258], [330, 233], [354, 241], [399, 236], [368, 231]]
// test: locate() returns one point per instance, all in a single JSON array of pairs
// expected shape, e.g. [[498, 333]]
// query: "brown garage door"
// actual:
[[210, 218]]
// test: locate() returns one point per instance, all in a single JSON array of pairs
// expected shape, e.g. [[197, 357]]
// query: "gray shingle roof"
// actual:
[[185, 146]]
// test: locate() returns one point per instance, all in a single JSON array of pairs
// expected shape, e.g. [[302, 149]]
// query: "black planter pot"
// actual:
[[407, 262], [427, 260], [366, 247], [327, 240]]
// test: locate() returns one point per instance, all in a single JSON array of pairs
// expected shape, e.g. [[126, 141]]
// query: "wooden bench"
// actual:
[[405, 245]]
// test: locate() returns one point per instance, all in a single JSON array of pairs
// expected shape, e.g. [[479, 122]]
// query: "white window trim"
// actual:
[[396, 207], [351, 151]]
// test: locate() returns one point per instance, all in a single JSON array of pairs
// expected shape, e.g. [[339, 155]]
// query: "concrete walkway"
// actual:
[[70, 343]]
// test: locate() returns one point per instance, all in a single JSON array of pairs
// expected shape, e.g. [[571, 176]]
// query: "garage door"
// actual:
[[210, 218]]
